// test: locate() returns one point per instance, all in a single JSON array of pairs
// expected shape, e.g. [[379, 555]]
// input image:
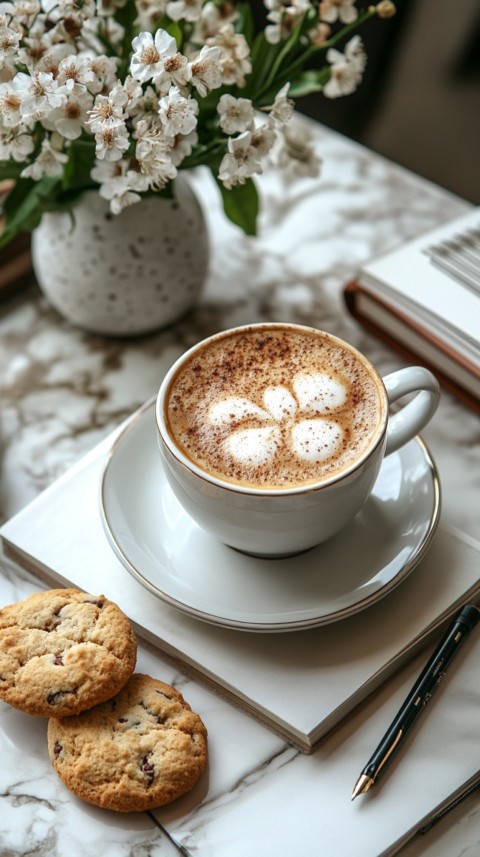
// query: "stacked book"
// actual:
[[423, 299]]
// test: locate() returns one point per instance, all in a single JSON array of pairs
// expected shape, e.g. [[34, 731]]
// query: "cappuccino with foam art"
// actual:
[[275, 407]]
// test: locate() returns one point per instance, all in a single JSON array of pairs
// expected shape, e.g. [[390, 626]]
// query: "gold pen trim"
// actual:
[[387, 755], [363, 784]]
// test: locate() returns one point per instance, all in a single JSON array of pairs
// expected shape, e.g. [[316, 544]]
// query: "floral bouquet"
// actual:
[[118, 95]]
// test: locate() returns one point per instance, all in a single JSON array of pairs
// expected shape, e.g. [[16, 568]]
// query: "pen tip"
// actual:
[[363, 784]]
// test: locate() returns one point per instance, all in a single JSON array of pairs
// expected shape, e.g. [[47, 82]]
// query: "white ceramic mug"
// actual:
[[282, 522]]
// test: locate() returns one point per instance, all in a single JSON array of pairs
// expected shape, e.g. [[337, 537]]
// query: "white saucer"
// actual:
[[160, 545]]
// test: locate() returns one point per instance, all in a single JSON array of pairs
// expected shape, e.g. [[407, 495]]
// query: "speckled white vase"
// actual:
[[125, 274]]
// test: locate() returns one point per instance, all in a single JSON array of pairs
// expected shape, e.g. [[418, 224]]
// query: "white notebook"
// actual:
[[407, 279], [328, 670]]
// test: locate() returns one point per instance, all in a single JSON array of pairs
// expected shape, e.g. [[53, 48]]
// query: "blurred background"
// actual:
[[419, 102]]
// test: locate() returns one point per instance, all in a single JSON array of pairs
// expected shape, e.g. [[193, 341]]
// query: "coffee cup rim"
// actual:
[[190, 466]]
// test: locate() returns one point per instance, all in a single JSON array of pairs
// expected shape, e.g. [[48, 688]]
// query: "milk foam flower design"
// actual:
[[302, 417]]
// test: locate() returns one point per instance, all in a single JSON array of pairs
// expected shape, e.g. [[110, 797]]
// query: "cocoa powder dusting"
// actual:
[[244, 366]]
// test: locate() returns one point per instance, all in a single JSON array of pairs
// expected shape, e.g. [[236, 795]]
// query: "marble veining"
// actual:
[[62, 390]]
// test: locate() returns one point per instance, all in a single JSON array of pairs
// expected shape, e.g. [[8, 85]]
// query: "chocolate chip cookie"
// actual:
[[141, 749], [63, 651]]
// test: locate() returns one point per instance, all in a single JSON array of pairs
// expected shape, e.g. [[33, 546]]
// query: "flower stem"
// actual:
[[312, 50]]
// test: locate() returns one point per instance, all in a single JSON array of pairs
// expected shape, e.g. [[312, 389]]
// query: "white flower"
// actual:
[[157, 59], [333, 10], [175, 72], [178, 114], [186, 10], [241, 161], [284, 18], [150, 139], [119, 184], [72, 117], [182, 147], [48, 163], [93, 30], [212, 18], [109, 7], [40, 53], [282, 108], [38, 93], [10, 102], [111, 142], [7, 72], [149, 11], [277, 30], [15, 143], [76, 12], [263, 139], [153, 153], [346, 70], [21, 11], [149, 53], [319, 34], [9, 41], [236, 114], [297, 153], [300, 417], [130, 90], [158, 171], [107, 111], [235, 55], [144, 106], [355, 53], [206, 70], [100, 74], [72, 71], [104, 170]]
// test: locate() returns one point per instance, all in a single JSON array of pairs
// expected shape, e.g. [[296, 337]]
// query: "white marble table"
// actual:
[[62, 390]]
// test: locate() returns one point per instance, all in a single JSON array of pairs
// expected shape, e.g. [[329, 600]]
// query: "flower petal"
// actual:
[[254, 446], [233, 409], [316, 440], [280, 402], [318, 392]]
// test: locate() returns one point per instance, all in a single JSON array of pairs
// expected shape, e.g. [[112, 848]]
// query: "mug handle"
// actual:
[[413, 417]]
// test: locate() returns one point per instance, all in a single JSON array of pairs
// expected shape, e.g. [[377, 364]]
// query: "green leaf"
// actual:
[[126, 16], [263, 55], [81, 159], [309, 81], [241, 205], [62, 200], [286, 51], [24, 205], [244, 23], [10, 170], [173, 29], [209, 155]]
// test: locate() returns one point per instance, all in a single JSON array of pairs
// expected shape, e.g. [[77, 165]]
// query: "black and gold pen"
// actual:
[[418, 697]]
